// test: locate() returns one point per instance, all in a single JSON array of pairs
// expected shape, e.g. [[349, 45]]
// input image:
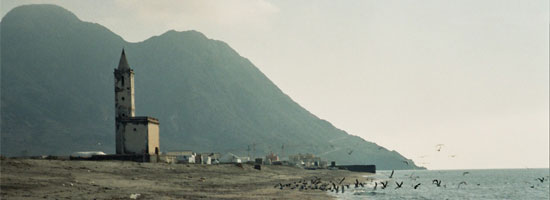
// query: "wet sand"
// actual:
[[58, 179]]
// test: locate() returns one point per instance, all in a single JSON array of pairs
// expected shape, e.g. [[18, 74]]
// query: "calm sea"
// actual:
[[477, 184]]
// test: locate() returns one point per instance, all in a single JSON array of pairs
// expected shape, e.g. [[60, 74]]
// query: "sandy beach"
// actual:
[[58, 179]]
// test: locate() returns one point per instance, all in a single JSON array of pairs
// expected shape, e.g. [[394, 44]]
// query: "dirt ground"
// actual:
[[58, 179]]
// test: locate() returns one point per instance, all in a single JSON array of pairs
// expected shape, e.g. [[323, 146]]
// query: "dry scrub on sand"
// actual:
[[56, 179]]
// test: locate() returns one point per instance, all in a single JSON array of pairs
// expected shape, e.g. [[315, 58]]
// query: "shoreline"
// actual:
[[58, 179]]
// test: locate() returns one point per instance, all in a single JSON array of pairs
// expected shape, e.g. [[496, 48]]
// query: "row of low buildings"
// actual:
[[307, 160], [188, 157]]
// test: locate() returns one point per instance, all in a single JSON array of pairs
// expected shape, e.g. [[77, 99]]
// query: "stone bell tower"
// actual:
[[134, 135], [124, 89]]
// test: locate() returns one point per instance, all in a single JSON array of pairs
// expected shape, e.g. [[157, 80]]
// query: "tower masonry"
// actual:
[[124, 89], [134, 135]]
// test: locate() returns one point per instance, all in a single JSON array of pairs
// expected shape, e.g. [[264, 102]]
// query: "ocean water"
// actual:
[[480, 184]]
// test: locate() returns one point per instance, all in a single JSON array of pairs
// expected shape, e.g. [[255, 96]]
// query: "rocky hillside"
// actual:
[[57, 94]]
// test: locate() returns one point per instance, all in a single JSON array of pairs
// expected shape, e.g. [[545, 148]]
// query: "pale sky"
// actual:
[[408, 75]]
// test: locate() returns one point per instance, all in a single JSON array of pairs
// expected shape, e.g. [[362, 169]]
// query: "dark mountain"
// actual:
[[57, 94]]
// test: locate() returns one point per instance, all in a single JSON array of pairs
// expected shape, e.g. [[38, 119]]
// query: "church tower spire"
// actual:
[[124, 89], [123, 63]]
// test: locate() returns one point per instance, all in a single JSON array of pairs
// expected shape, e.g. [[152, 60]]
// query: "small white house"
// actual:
[[182, 156], [232, 158], [203, 158]]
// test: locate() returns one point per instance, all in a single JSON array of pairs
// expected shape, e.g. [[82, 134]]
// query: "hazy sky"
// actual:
[[470, 74]]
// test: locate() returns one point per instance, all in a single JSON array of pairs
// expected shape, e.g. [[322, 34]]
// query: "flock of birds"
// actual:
[[317, 184], [338, 186]]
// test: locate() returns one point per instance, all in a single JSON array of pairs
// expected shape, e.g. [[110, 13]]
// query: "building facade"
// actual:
[[134, 135]]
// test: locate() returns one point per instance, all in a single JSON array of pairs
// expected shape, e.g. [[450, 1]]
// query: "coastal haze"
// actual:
[[470, 75], [57, 96]]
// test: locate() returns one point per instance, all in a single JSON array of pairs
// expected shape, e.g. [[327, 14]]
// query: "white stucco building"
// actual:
[[134, 135]]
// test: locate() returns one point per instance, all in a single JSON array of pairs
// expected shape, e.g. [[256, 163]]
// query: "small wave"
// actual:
[[372, 193]]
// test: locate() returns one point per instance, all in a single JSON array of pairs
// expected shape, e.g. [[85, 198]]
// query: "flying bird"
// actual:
[[416, 186], [399, 185], [463, 182], [349, 153], [464, 173], [406, 162], [391, 175], [438, 147], [384, 184], [541, 179], [341, 180], [437, 182]]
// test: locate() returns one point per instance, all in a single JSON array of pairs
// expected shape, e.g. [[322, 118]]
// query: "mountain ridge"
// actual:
[[57, 89]]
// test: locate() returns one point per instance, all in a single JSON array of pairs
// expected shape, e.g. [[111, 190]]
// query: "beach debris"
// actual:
[[416, 186], [399, 184], [134, 196], [258, 167]]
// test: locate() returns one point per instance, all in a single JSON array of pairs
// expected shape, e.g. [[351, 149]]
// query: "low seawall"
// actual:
[[359, 168], [129, 157]]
